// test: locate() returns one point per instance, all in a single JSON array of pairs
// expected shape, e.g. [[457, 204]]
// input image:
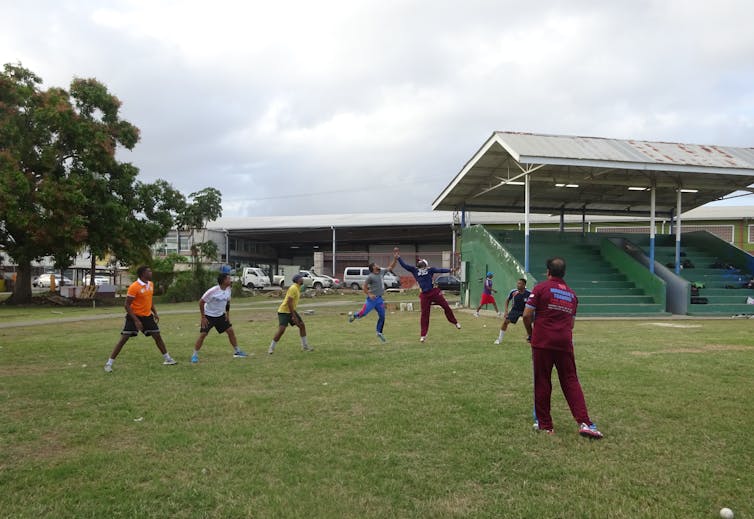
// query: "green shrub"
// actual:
[[189, 286]]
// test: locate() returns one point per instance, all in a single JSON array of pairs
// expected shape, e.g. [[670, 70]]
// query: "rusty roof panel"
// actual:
[[628, 151]]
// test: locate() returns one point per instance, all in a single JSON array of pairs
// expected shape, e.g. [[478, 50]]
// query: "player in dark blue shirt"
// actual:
[[519, 296]]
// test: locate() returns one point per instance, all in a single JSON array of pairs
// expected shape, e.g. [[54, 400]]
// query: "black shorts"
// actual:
[[514, 315], [218, 323], [149, 326], [287, 319]]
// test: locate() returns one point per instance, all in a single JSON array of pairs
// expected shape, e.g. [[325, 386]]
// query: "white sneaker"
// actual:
[[307, 348], [108, 368], [458, 325], [422, 339], [270, 351], [497, 341], [476, 314], [169, 362]]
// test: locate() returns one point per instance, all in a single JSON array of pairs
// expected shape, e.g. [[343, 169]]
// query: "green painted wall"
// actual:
[[636, 272], [484, 253]]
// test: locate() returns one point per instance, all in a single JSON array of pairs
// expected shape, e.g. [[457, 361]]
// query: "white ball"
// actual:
[[726, 513]]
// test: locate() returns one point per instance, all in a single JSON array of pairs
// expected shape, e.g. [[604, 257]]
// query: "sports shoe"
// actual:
[[306, 347], [270, 351], [170, 362], [351, 317], [476, 314], [458, 325], [108, 368], [497, 341], [194, 358], [381, 337], [422, 339], [240, 354], [537, 429], [589, 431]]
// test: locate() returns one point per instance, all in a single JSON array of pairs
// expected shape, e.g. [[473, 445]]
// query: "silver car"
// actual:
[[43, 280]]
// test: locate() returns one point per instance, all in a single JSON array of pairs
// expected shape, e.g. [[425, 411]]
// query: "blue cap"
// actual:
[[490, 274], [225, 269], [297, 277]]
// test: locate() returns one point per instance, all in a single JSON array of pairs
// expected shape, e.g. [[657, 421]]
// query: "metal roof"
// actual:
[[593, 175], [440, 218]]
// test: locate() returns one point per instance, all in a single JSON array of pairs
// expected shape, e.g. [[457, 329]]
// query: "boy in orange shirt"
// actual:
[[141, 316]]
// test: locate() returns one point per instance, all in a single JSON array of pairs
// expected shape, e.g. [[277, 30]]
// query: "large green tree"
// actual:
[[61, 187]]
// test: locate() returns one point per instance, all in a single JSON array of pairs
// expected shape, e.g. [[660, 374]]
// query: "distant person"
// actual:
[[552, 345], [214, 307], [518, 295], [141, 316], [374, 288], [429, 294], [288, 316], [487, 297]]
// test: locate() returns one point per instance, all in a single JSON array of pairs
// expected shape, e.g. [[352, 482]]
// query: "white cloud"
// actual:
[[328, 98]]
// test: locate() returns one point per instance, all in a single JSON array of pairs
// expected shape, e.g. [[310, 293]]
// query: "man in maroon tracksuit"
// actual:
[[554, 305]]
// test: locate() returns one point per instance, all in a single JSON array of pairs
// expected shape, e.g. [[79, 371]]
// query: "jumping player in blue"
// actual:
[[374, 287], [519, 295], [423, 274]]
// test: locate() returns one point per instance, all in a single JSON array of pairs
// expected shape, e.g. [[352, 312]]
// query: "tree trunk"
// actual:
[[91, 272], [22, 287]]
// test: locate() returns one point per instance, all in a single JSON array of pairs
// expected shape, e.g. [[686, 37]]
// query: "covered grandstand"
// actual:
[[616, 273]]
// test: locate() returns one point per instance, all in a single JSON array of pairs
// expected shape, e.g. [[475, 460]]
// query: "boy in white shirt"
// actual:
[[214, 306]]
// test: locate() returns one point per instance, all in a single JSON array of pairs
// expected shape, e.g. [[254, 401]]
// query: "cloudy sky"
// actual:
[[302, 107]]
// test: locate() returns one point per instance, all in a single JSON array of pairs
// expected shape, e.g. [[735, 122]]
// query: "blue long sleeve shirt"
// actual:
[[423, 276]]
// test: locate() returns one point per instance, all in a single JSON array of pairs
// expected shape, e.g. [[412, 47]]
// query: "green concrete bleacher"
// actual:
[[722, 299], [602, 289]]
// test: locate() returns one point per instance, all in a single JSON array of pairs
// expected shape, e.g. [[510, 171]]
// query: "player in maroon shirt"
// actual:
[[554, 305]]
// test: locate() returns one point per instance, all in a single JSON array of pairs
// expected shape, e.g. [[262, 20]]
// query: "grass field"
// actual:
[[360, 429]]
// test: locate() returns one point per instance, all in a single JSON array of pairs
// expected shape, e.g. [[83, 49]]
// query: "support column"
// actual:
[[333, 250], [678, 232], [653, 201], [526, 223]]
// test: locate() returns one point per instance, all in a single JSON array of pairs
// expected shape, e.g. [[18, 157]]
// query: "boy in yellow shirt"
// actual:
[[288, 316]]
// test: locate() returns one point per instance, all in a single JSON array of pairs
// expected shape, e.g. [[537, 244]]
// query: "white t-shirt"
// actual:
[[215, 299]]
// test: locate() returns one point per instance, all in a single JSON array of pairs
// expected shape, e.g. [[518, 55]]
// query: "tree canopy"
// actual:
[[61, 186]]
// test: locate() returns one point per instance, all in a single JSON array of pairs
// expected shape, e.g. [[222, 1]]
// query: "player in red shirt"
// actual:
[[554, 305]]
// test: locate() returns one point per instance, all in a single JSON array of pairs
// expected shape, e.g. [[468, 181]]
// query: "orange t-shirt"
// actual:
[[142, 294]]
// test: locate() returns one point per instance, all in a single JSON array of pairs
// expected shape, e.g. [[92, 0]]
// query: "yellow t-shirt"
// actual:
[[294, 292], [142, 294]]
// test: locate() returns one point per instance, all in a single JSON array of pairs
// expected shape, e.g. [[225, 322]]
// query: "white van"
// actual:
[[354, 277]]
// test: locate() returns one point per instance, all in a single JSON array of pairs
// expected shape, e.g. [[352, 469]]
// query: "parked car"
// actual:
[[43, 280], [98, 280], [448, 282], [314, 280], [335, 281], [354, 277], [391, 280]]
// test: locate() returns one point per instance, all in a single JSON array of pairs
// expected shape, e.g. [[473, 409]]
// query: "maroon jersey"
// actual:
[[554, 304]]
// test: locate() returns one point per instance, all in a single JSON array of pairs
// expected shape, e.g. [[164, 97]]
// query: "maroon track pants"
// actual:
[[434, 296], [565, 362]]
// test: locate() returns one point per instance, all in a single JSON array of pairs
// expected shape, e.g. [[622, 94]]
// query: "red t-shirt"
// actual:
[[554, 304]]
